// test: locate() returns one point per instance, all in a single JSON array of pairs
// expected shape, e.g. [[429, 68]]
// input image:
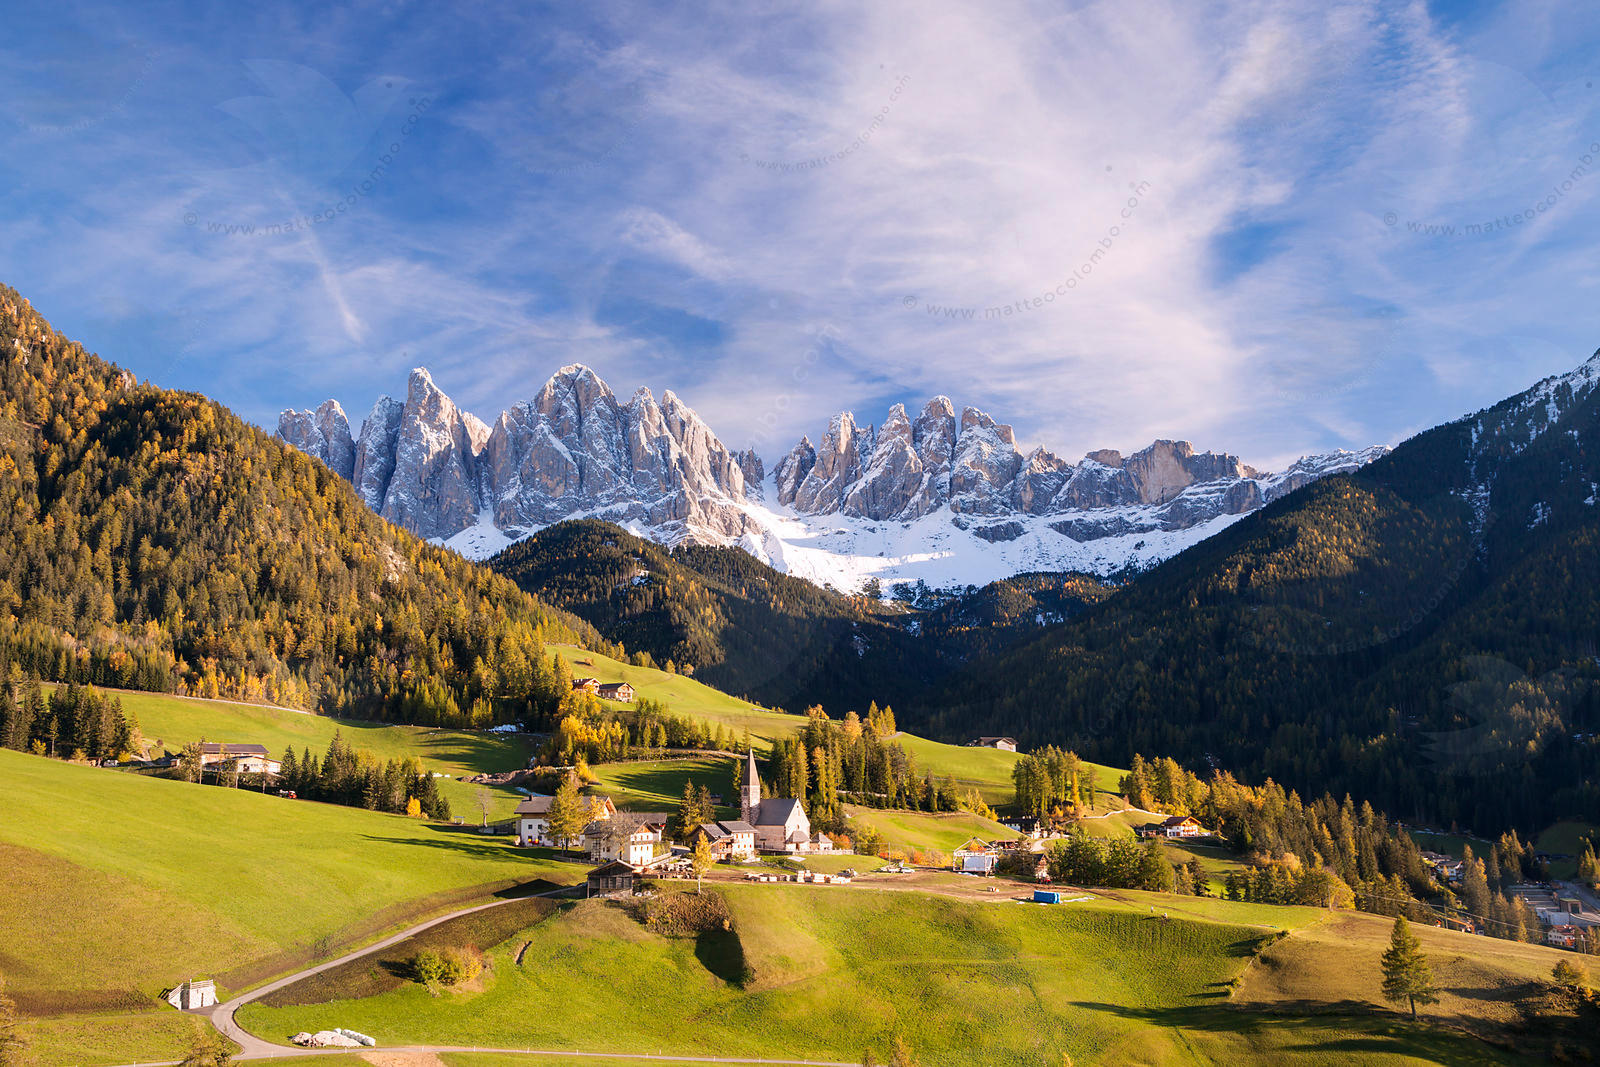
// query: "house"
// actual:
[[734, 840], [249, 759], [613, 877], [1563, 936], [1174, 826], [780, 823], [630, 838], [191, 996], [619, 691], [1041, 871], [1004, 744], [532, 821], [588, 685]]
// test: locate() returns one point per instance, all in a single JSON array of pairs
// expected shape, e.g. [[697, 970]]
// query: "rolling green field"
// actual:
[[685, 696], [170, 722], [914, 829], [120, 886], [657, 785], [831, 974]]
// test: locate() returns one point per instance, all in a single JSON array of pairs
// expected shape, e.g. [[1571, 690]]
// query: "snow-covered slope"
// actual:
[[943, 499]]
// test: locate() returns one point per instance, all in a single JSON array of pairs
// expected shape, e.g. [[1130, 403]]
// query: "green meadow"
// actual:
[[832, 974], [170, 722], [120, 886]]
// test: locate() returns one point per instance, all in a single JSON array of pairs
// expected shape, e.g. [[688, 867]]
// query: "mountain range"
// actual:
[[943, 498]]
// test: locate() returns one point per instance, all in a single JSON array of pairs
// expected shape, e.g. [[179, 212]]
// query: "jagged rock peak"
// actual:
[[324, 433]]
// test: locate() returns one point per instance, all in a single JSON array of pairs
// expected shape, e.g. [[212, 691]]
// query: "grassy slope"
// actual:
[[911, 829], [124, 885], [658, 785], [1336, 961], [989, 769], [173, 721], [685, 696], [832, 973]]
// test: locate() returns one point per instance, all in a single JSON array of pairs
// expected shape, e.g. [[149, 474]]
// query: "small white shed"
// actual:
[[192, 995]]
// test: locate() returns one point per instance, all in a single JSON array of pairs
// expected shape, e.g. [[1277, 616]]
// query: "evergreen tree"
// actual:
[[1407, 978]]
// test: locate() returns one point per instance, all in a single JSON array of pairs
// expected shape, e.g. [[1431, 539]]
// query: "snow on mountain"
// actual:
[[939, 499]]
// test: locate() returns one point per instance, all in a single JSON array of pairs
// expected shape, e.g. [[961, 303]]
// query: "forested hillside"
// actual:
[[746, 628], [1421, 632], [150, 539]]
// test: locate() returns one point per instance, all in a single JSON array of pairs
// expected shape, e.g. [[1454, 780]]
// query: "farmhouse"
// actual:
[[1175, 826], [588, 685], [618, 691], [631, 838], [249, 759], [734, 840], [780, 823], [532, 819], [1004, 744]]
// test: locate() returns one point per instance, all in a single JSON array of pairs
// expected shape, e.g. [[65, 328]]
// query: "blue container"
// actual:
[[1047, 896]]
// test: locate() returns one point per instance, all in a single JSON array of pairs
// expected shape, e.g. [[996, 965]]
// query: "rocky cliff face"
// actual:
[[947, 487], [573, 449], [905, 470], [324, 433]]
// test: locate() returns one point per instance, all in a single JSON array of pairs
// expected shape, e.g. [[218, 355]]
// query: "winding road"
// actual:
[[255, 1048]]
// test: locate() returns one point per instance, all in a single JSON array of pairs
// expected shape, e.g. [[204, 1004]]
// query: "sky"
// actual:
[[1269, 228]]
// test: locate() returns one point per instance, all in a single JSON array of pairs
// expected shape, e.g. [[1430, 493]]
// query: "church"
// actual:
[[780, 822]]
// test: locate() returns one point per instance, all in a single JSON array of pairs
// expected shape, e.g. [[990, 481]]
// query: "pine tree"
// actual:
[[1407, 978], [569, 813]]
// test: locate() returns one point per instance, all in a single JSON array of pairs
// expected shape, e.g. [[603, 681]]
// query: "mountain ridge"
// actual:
[[956, 485]]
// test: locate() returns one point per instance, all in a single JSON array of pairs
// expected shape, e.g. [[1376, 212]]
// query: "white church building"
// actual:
[[781, 823]]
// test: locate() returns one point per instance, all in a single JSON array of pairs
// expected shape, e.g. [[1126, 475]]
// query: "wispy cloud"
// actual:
[[776, 216]]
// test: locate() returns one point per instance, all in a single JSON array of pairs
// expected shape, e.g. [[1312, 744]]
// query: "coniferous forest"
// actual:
[[150, 539]]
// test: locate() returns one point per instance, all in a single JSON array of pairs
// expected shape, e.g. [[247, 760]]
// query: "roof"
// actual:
[[613, 687], [989, 740], [776, 811], [214, 748], [713, 831], [799, 837], [737, 826], [1179, 820], [535, 806], [611, 870]]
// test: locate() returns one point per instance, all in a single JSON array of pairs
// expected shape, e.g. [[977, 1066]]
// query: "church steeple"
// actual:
[[750, 791]]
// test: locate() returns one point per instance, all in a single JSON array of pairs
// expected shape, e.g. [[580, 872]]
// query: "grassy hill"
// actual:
[[986, 768], [170, 722], [811, 973], [119, 886]]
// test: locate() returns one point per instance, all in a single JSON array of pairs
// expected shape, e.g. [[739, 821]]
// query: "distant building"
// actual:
[[191, 996], [588, 685], [1004, 744], [249, 759], [618, 691], [1563, 936], [735, 840], [613, 877], [1174, 826]]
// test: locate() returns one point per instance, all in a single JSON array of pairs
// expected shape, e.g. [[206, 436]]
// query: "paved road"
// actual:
[[255, 1048]]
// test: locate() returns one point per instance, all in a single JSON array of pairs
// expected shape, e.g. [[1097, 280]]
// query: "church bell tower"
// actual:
[[750, 791]]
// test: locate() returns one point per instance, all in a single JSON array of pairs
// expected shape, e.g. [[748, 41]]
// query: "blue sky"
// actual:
[[1270, 228]]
